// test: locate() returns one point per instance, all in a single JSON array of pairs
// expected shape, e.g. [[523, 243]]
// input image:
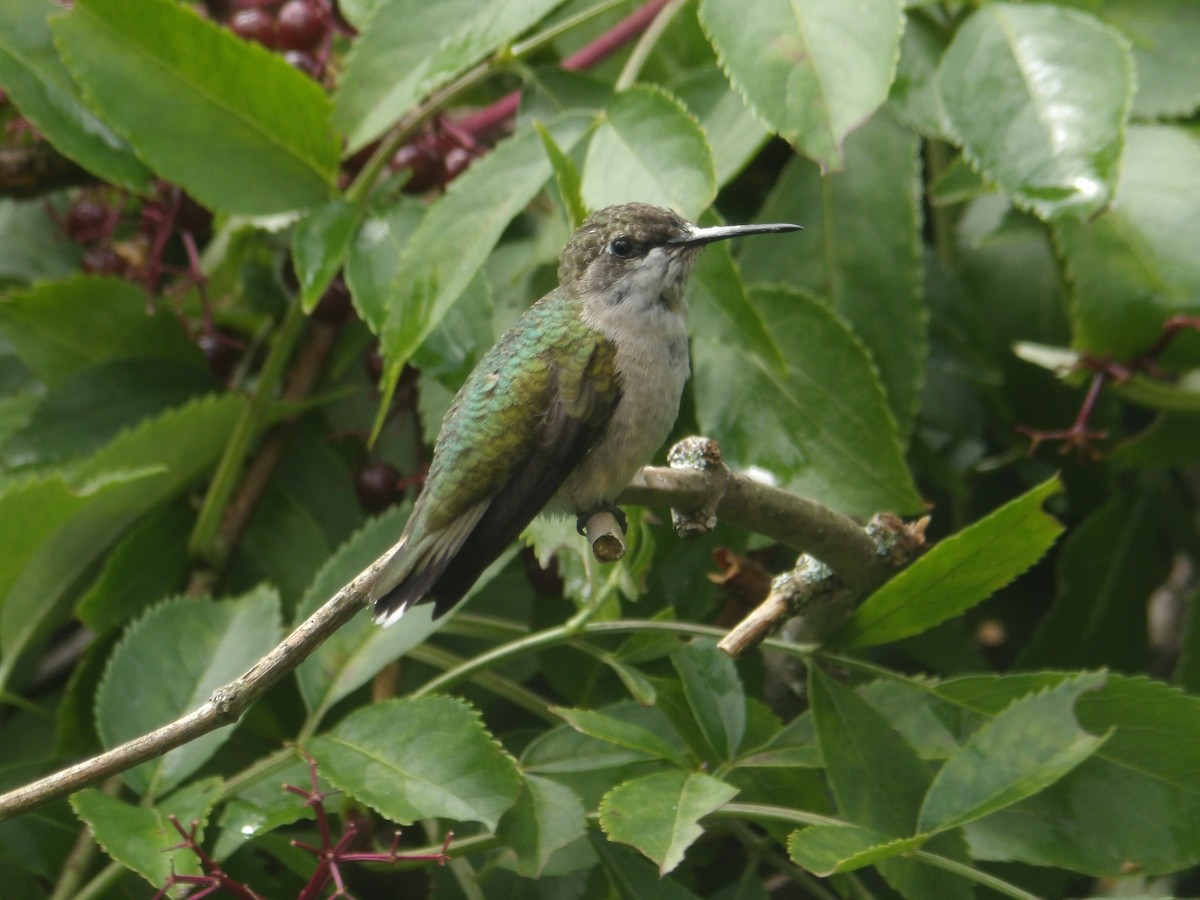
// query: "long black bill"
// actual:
[[700, 236]]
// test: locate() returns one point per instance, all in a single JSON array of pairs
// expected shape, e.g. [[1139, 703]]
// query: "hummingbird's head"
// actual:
[[639, 254]]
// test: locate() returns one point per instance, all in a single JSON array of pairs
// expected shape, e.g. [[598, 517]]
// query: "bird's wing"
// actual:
[[463, 521]]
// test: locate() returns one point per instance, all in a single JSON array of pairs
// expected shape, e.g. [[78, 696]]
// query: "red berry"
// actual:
[[377, 486], [302, 25], [255, 25]]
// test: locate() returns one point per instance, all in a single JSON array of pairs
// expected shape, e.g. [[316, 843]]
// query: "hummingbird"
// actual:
[[566, 407]]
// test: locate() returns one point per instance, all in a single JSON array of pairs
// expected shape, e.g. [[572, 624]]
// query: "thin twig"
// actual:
[[769, 511], [225, 705]]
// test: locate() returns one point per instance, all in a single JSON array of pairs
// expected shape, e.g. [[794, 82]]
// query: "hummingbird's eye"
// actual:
[[621, 248]]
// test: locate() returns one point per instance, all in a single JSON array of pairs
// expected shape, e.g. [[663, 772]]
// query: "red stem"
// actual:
[[496, 116], [612, 41]]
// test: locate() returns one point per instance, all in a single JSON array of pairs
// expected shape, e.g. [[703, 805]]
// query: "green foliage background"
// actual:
[[995, 195]]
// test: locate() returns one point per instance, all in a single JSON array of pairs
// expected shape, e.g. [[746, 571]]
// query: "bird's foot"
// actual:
[[582, 519]]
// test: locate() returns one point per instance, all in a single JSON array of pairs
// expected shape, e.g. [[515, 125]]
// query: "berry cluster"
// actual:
[[157, 239], [302, 30]]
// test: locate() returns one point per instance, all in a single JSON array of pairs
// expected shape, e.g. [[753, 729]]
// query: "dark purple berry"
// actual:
[[221, 350], [255, 25], [305, 62], [85, 219], [302, 25], [456, 161], [428, 170], [377, 486]]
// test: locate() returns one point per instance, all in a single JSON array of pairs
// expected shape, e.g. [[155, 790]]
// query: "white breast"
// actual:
[[650, 332]]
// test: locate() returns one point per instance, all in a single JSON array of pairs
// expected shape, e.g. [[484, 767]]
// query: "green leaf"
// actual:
[[733, 134], [876, 775], [31, 244], [459, 231], [793, 746], [811, 69], [649, 148], [1038, 95], [320, 245], [548, 816], [409, 48], [1158, 394], [1109, 566], [566, 176], [35, 514], [265, 806], [623, 733], [420, 759], [659, 814], [958, 183], [92, 405], [1164, 35], [821, 428], [223, 640], [565, 750], [829, 849], [374, 257], [1028, 747], [914, 97], [631, 877], [303, 513], [860, 250], [58, 328], [1171, 440], [157, 70], [714, 692], [958, 573], [37, 82], [907, 705], [142, 838], [640, 688], [57, 527], [150, 562], [1134, 804], [879, 782], [1135, 265]]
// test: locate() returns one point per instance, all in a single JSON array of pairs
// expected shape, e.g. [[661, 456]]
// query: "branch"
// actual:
[[784, 517], [802, 524], [818, 598], [225, 705], [842, 559]]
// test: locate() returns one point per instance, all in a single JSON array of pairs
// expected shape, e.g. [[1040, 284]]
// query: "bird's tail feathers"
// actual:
[[412, 574]]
